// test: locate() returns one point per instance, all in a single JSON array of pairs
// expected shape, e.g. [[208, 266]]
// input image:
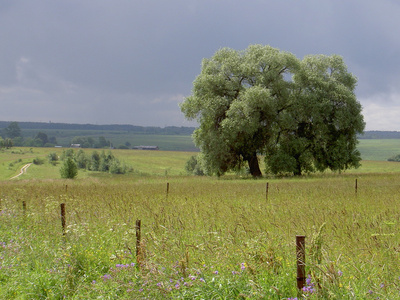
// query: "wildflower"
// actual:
[[177, 286], [159, 284], [140, 290], [202, 279], [309, 288], [216, 272], [382, 285], [106, 276], [192, 278], [340, 273], [235, 272], [243, 266]]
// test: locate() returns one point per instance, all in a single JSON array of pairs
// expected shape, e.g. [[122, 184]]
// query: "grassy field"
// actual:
[[207, 238], [379, 149]]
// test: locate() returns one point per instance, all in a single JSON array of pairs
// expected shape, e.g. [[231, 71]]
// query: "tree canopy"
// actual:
[[301, 115]]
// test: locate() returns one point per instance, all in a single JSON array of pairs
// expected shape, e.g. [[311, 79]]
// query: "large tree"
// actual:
[[12, 130], [301, 114]]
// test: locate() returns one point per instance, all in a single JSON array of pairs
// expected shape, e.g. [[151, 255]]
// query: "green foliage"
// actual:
[[42, 139], [395, 158], [6, 143], [193, 166], [94, 161], [69, 169], [12, 130], [38, 161], [68, 153], [52, 157], [81, 159], [301, 114]]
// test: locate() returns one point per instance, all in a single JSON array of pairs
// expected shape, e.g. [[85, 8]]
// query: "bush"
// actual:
[[193, 166], [69, 169], [53, 158], [38, 161], [395, 158]]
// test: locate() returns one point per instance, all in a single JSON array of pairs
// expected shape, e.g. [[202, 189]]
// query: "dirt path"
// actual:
[[23, 170]]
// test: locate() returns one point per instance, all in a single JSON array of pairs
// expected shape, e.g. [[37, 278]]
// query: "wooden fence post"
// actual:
[[63, 218], [266, 191], [138, 237], [356, 186], [24, 207], [301, 257], [167, 188]]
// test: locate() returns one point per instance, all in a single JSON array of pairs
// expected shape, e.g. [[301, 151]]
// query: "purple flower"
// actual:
[[106, 277], [216, 272], [202, 279], [177, 286], [340, 273], [243, 266], [159, 284], [308, 281]]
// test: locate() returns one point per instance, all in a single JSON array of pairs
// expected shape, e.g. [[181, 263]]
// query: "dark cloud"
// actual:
[[131, 61]]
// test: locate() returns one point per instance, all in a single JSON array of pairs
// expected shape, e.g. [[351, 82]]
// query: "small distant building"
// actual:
[[145, 148], [75, 145]]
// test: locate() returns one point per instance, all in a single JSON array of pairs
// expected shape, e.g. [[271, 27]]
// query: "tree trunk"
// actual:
[[254, 166], [297, 172]]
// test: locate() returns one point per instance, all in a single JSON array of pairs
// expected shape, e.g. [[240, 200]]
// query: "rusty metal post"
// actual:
[[138, 237], [63, 218], [301, 258]]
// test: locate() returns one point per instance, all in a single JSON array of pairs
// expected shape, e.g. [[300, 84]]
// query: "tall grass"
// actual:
[[205, 239]]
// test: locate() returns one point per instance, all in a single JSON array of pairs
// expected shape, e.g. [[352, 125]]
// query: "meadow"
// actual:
[[204, 238]]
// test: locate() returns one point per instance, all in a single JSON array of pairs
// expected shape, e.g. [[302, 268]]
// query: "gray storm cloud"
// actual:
[[133, 62]]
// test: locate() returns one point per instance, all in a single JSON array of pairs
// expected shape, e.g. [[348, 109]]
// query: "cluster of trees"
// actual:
[[103, 162], [13, 133], [6, 143], [301, 115]]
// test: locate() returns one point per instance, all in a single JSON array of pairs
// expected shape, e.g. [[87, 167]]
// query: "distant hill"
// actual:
[[169, 130], [380, 135]]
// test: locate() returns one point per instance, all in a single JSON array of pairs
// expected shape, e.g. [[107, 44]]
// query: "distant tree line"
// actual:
[[380, 135], [12, 136], [169, 130]]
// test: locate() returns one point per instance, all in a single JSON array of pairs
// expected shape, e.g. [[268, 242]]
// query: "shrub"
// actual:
[[38, 161], [193, 166], [69, 169]]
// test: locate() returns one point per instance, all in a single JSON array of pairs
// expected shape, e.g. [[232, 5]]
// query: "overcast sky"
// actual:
[[133, 62]]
